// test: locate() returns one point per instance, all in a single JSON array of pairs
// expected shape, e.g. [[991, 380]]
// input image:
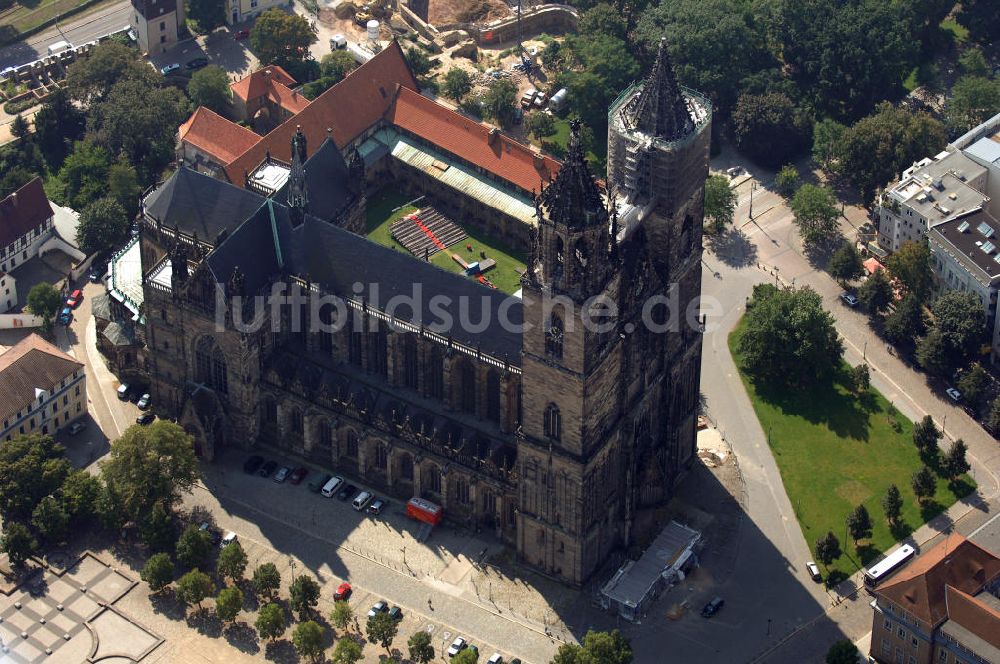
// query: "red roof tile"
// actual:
[[23, 210], [471, 141], [259, 82], [29, 364], [974, 615], [348, 108], [211, 133]]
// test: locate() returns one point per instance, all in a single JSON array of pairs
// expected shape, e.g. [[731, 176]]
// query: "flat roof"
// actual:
[[125, 282], [986, 149], [270, 176], [632, 582], [976, 237]]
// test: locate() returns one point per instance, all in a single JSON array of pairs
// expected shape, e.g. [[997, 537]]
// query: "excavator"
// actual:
[[377, 9]]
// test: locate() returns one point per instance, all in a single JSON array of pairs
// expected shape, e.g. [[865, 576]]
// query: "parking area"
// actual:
[[220, 48]]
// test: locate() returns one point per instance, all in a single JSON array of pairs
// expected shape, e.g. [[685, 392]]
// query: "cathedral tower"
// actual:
[[298, 195]]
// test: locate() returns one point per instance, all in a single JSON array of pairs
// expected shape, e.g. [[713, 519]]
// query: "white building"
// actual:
[[42, 389]]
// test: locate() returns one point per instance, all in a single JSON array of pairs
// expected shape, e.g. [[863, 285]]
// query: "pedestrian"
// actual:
[[429, 604]]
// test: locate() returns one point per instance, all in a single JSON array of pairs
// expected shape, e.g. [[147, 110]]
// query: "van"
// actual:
[[59, 47], [338, 42], [331, 487], [362, 499]]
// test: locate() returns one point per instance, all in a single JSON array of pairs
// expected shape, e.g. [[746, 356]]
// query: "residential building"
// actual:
[[266, 98], [157, 24], [941, 609], [26, 221], [207, 141], [985, 151], [42, 389], [239, 11]]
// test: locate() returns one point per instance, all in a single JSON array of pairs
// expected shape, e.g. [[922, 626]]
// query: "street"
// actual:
[[77, 30]]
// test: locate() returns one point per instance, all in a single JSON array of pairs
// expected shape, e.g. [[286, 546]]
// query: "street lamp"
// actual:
[[753, 188], [291, 564]]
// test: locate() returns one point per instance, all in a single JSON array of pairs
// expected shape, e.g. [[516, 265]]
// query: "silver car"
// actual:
[[457, 646], [282, 474]]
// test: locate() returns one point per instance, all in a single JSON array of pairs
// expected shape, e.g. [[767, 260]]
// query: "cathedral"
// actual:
[[557, 433]]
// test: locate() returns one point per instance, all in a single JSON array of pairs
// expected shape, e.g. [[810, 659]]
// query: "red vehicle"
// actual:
[[241, 34], [74, 299], [298, 475], [343, 592], [424, 510]]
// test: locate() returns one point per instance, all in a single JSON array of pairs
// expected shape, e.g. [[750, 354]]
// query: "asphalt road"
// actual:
[[76, 31]]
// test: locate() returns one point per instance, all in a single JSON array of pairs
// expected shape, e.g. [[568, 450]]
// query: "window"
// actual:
[[410, 364], [270, 410], [888, 625], [462, 491], [163, 314], [163, 39], [65, 399], [553, 423], [77, 390], [943, 656], [381, 457], [493, 395], [295, 420], [253, 4], [913, 641], [435, 373], [163, 26], [554, 337], [352, 444], [912, 660], [467, 386], [210, 365], [901, 633], [78, 408]]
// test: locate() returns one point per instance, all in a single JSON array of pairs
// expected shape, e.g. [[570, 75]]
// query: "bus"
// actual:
[[424, 510], [888, 566]]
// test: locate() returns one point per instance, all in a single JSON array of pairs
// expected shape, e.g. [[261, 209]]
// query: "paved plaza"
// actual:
[[69, 616]]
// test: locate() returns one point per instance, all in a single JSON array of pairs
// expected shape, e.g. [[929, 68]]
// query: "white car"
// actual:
[[457, 646], [166, 69], [813, 571], [495, 658], [75, 428], [954, 394], [228, 539]]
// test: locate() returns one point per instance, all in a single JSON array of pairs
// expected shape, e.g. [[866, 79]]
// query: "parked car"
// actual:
[[123, 391], [343, 592], [74, 299], [65, 316], [457, 646], [213, 534], [75, 428], [145, 418], [396, 613], [298, 475], [813, 571], [97, 270], [319, 482], [361, 500], [380, 606], [495, 658], [712, 607], [347, 492], [377, 506], [228, 539], [241, 34], [253, 464], [197, 63], [850, 299], [268, 468], [167, 69], [953, 394], [282, 474], [143, 402]]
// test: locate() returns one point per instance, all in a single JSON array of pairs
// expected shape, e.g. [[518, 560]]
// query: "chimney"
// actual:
[[538, 159], [494, 132], [329, 133], [267, 73], [13, 198]]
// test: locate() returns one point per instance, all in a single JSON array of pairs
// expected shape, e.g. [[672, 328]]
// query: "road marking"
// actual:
[[980, 528]]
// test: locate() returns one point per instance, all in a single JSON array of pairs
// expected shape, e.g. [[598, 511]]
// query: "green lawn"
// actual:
[[507, 273], [835, 450], [25, 15], [561, 141], [960, 32]]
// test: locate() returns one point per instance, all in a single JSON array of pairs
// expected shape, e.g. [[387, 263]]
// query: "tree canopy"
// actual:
[[974, 99], [816, 213], [229, 603], [304, 594], [281, 38], [91, 79], [309, 639], [845, 264], [960, 317], [232, 561], [158, 572], [271, 621], [420, 647], [769, 128], [498, 101], [84, 174], [457, 83], [194, 587], [103, 226], [842, 652], [601, 67], [44, 300], [193, 547], [381, 628], [720, 202], [604, 647], [31, 467], [209, 87]]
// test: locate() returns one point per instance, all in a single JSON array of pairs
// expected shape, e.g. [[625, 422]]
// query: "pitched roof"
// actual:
[[326, 182], [32, 363], [659, 109], [348, 108], [957, 562], [23, 210], [199, 204], [480, 145], [258, 83], [210, 132], [573, 197], [974, 615]]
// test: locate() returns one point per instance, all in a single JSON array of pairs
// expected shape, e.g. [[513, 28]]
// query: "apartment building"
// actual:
[[42, 389], [246, 10], [157, 24]]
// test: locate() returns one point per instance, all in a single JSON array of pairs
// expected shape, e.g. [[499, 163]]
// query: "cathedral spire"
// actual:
[[298, 196], [659, 109], [573, 198]]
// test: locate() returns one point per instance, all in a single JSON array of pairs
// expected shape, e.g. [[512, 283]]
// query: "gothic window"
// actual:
[[377, 349], [381, 456], [489, 502], [560, 253], [580, 254], [466, 386], [553, 422], [554, 337], [270, 411], [295, 420], [355, 347], [432, 479], [352, 444], [462, 491], [410, 364], [493, 395], [325, 434], [406, 467], [326, 315], [210, 365], [435, 373]]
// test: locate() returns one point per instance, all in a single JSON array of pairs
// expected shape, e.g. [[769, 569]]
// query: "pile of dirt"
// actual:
[[446, 12]]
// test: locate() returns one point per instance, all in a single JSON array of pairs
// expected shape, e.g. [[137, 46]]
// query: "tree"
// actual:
[[892, 505], [876, 149], [845, 264], [420, 63], [19, 128], [123, 186], [158, 572], [157, 529], [827, 135], [90, 80], [973, 383], [347, 652], [13, 178], [229, 603], [232, 561], [79, 492], [607, 647], [912, 266], [842, 652], [266, 580], [271, 621], [603, 19], [974, 99], [208, 14], [498, 101], [932, 353], [923, 484], [304, 593], [85, 174], [541, 125], [151, 464], [281, 38], [827, 549], [861, 378], [905, 323], [382, 628], [720, 202], [309, 640], [103, 226], [193, 547], [31, 467], [337, 65], [17, 543], [465, 656], [111, 508], [993, 419], [859, 524], [769, 128], [981, 18], [926, 434], [58, 124], [601, 67], [816, 213], [209, 87], [194, 587], [457, 83], [788, 338], [876, 293], [421, 649], [50, 520], [341, 614], [955, 462], [44, 300], [973, 63], [961, 320], [787, 180]]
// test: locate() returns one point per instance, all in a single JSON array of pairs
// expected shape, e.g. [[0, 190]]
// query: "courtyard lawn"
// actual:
[[510, 263], [560, 141], [836, 450]]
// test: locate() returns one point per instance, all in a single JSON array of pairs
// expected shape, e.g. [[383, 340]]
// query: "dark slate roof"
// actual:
[[337, 259], [100, 306], [200, 204], [573, 198], [22, 211], [119, 334], [659, 109], [326, 182]]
